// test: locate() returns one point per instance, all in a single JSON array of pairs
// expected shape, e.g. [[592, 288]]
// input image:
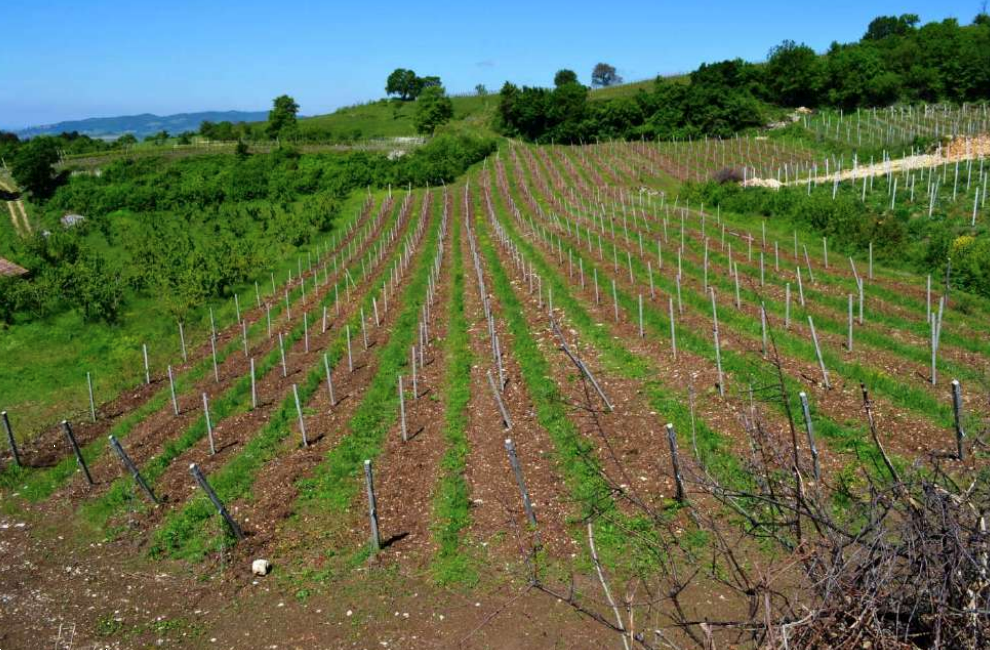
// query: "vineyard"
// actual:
[[556, 386]]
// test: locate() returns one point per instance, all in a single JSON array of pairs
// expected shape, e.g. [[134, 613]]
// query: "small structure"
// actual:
[[70, 220], [9, 269]]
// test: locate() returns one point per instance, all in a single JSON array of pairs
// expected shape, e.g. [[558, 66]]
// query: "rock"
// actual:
[[260, 567]]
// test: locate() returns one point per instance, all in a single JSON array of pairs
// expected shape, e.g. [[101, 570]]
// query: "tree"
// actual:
[[604, 75], [282, 117], [793, 74], [402, 82], [158, 138], [883, 26], [479, 90], [565, 76], [33, 166], [433, 108]]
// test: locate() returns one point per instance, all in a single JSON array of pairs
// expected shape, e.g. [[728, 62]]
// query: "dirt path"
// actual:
[[959, 150]]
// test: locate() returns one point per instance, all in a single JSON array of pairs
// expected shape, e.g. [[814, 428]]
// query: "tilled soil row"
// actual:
[[843, 403], [406, 472], [839, 271], [275, 491], [49, 446], [234, 432], [836, 271], [892, 364], [154, 432], [646, 464], [775, 289], [499, 518]]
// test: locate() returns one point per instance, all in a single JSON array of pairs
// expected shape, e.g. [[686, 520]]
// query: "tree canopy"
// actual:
[[564, 76], [407, 85], [433, 108], [604, 75], [33, 166], [282, 117], [896, 60]]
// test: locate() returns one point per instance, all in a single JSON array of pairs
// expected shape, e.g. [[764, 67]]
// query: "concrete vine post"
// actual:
[[217, 503], [510, 449], [132, 468], [369, 480], [78, 452], [10, 438]]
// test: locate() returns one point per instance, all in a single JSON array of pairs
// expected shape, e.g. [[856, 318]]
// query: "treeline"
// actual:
[[190, 229], [896, 60]]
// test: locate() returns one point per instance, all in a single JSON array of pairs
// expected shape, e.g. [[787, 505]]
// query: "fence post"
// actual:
[[957, 408], [818, 351], [672, 439], [326, 366], [299, 412], [369, 479], [718, 349], [217, 503], [402, 411], [126, 460], [510, 448], [10, 438], [209, 425], [75, 449], [147, 369], [809, 427], [92, 402], [171, 388]]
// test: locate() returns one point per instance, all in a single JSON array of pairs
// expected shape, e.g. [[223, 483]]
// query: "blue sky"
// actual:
[[70, 60]]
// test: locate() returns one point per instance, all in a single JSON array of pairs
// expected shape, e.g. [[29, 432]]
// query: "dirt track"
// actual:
[[959, 150]]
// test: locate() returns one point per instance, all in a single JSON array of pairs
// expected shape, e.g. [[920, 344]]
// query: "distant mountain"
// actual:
[[141, 125]]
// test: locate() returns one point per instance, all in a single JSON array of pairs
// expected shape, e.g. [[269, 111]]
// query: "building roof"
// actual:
[[8, 268]]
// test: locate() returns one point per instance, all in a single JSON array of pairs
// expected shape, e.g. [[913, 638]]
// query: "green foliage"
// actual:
[[604, 75], [565, 76], [895, 61], [33, 166], [921, 244], [794, 74], [282, 117], [452, 504], [402, 82], [433, 108]]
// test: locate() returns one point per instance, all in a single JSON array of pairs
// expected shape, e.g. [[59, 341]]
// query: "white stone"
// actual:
[[260, 567]]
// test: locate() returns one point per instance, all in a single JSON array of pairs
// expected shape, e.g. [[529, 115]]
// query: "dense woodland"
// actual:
[[897, 60]]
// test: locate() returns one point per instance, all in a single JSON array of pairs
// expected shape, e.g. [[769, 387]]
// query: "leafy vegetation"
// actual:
[[895, 61]]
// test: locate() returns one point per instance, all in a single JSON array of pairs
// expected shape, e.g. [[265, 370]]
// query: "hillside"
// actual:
[[140, 125]]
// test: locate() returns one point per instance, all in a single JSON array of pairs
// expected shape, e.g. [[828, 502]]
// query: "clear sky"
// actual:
[[71, 59]]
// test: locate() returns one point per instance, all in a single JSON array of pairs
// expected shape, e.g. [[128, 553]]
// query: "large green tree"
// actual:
[[282, 117], [564, 76], [404, 83], [604, 75], [433, 108], [33, 166], [794, 74]]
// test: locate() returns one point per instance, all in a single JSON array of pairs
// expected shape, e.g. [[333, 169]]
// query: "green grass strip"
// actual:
[[575, 455], [334, 482], [452, 502]]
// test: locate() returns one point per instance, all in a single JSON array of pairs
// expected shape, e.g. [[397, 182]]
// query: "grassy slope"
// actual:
[[390, 118]]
